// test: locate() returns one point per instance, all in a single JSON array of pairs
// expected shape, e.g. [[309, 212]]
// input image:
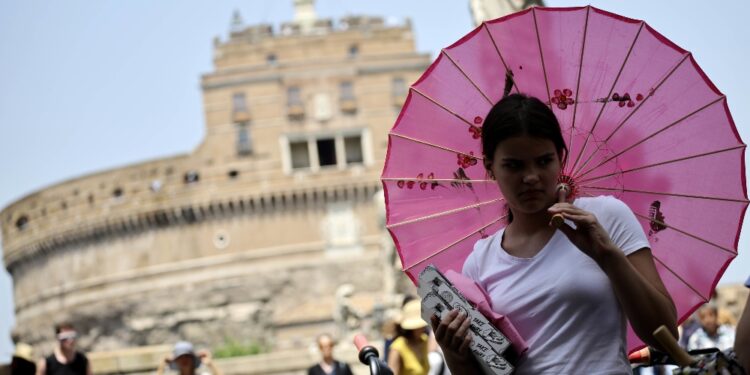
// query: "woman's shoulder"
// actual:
[[486, 242]]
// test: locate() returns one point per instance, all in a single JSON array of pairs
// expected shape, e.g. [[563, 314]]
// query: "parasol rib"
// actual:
[[460, 69], [661, 82], [661, 223], [444, 213], [651, 136], [679, 278], [611, 89], [433, 145], [435, 102], [668, 194], [494, 44], [589, 180], [541, 57], [578, 81], [453, 244]]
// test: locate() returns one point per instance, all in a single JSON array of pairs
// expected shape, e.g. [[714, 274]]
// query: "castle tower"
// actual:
[[483, 10]]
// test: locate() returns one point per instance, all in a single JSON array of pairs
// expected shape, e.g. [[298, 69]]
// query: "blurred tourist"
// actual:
[[23, 360], [328, 365], [65, 360], [742, 343], [711, 334], [186, 361], [408, 353]]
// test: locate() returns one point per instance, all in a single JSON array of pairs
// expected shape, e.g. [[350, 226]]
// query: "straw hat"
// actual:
[[411, 315]]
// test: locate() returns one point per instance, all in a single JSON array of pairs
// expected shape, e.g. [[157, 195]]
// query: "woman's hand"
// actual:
[[453, 335], [589, 236]]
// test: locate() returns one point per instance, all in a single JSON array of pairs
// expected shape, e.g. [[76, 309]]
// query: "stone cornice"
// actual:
[[175, 214]]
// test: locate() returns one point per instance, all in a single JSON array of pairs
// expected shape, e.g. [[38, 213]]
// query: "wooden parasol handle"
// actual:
[[562, 196], [669, 344]]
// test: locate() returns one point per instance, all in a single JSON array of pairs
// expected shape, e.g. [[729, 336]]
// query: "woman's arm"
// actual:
[[641, 293], [453, 336], [394, 361], [634, 278]]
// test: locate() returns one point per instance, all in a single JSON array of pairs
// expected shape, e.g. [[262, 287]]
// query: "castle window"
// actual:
[[398, 92], [300, 155], [316, 151], [240, 112], [233, 173], [22, 222], [353, 51], [346, 89], [347, 101], [191, 177], [353, 149], [326, 152], [295, 106], [244, 143], [117, 193]]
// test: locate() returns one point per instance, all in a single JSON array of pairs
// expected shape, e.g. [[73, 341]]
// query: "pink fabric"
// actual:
[[478, 296], [641, 119]]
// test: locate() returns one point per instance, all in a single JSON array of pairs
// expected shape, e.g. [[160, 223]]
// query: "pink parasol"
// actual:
[[641, 119]]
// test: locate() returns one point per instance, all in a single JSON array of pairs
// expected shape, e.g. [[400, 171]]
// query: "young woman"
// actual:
[[567, 290]]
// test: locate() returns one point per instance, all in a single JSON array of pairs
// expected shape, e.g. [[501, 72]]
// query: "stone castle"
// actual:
[[250, 236]]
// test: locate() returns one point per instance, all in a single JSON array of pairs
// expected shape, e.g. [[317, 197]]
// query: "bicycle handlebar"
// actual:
[[369, 356]]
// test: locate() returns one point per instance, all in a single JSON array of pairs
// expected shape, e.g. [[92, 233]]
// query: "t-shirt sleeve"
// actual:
[[622, 226]]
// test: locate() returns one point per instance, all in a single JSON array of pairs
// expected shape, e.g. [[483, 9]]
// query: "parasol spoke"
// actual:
[[665, 225], [678, 277], [584, 181], [433, 145], [460, 69], [601, 110], [444, 213], [435, 102], [661, 82], [578, 81], [541, 56], [454, 243], [666, 194], [634, 111], [497, 49]]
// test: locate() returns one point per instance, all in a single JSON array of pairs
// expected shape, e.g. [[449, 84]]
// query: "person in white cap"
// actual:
[[408, 354], [186, 361]]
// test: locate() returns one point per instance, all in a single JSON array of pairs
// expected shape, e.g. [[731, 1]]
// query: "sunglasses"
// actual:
[[65, 336]]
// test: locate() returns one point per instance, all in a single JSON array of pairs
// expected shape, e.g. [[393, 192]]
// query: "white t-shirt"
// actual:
[[560, 301]]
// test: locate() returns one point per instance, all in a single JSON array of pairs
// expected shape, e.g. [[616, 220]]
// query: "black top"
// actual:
[[339, 368], [76, 367]]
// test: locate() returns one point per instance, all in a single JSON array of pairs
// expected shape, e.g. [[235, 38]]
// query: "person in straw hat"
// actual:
[[408, 353], [23, 360]]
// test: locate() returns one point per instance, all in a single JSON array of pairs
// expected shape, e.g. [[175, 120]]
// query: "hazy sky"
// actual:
[[92, 85]]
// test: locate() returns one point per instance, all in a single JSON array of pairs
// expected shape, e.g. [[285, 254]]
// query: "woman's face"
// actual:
[[526, 169]]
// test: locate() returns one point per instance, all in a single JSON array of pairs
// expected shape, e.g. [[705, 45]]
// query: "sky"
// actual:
[[89, 85]]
